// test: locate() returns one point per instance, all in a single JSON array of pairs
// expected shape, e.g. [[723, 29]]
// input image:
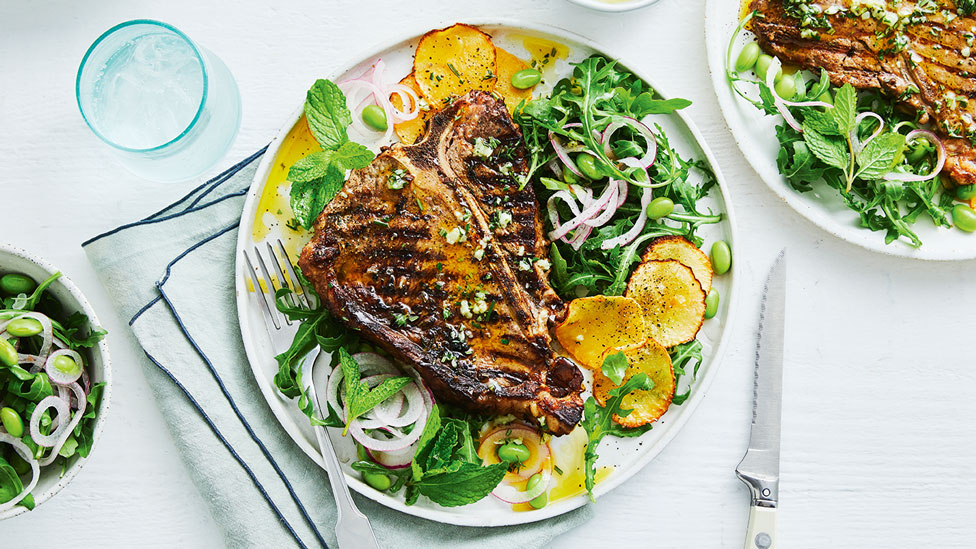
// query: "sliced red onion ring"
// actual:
[[399, 459], [634, 231], [63, 409], [609, 210], [650, 153], [80, 395], [539, 452], [349, 87], [940, 163], [563, 154], [36, 361], [586, 214], [407, 97], [374, 363], [407, 411], [58, 376], [771, 72], [384, 445], [855, 142], [27, 456]]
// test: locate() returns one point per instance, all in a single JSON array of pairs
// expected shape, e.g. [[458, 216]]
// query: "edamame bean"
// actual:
[[65, 364], [8, 354], [917, 153], [378, 480], [747, 57], [540, 501], [762, 66], [964, 217], [721, 257], [375, 117], [711, 303], [16, 283], [526, 78], [534, 481], [786, 88], [513, 452], [587, 165], [826, 97], [966, 192], [24, 327], [12, 422], [661, 206]]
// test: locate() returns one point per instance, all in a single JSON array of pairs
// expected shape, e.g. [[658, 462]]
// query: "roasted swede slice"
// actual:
[[453, 61], [671, 298], [682, 250], [595, 324], [508, 65], [652, 359], [411, 130]]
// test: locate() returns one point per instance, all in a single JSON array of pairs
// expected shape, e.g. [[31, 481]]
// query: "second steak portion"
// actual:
[[435, 254], [922, 55]]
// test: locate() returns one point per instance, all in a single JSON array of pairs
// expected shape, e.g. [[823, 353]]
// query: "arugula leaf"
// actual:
[[327, 114], [352, 156], [645, 104], [72, 331], [85, 430], [598, 422], [471, 482], [832, 152], [615, 367], [359, 398], [877, 158]]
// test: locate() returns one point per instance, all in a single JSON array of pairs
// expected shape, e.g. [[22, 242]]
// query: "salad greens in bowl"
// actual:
[[55, 377]]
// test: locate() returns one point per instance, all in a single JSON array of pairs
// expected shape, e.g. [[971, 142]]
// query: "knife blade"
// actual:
[[759, 468]]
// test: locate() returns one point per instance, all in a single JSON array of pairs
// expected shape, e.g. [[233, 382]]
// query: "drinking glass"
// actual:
[[169, 108]]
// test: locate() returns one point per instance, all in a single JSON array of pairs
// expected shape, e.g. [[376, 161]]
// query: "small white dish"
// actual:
[[13, 259], [613, 6]]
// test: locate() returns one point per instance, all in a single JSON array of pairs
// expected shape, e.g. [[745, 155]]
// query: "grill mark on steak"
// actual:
[[854, 52], [367, 272]]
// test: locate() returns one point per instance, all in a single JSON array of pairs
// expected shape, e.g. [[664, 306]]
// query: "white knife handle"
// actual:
[[761, 533]]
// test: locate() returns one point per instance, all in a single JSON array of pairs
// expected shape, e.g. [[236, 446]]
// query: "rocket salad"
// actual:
[[47, 401]]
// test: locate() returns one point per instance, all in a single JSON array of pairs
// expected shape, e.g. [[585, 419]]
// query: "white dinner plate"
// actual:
[[756, 135], [628, 455]]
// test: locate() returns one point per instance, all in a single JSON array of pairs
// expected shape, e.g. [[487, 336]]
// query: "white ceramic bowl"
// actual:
[[13, 259], [613, 6]]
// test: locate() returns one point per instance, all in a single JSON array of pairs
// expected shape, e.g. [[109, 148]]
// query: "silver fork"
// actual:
[[352, 526]]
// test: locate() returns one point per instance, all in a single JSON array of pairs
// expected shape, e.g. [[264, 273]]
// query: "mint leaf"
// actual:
[[832, 152], [352, 156], [877, 157], [615, 366], [823, 122], [327, 114], [309, 198], [359, 398], [469, 483], [845, 109], [426, 439], [311, 167]]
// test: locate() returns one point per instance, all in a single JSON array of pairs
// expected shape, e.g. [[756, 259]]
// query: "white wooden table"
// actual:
[[879, 440]]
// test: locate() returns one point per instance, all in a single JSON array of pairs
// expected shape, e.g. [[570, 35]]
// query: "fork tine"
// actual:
[[297, 285], [263, 298], [282, 279], [270, 281]]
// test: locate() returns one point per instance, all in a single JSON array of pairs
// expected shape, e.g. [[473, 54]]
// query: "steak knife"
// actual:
[[759, 468]]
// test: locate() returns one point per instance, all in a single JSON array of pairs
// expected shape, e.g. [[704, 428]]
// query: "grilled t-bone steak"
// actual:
[[434, 253], [922, 53]]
